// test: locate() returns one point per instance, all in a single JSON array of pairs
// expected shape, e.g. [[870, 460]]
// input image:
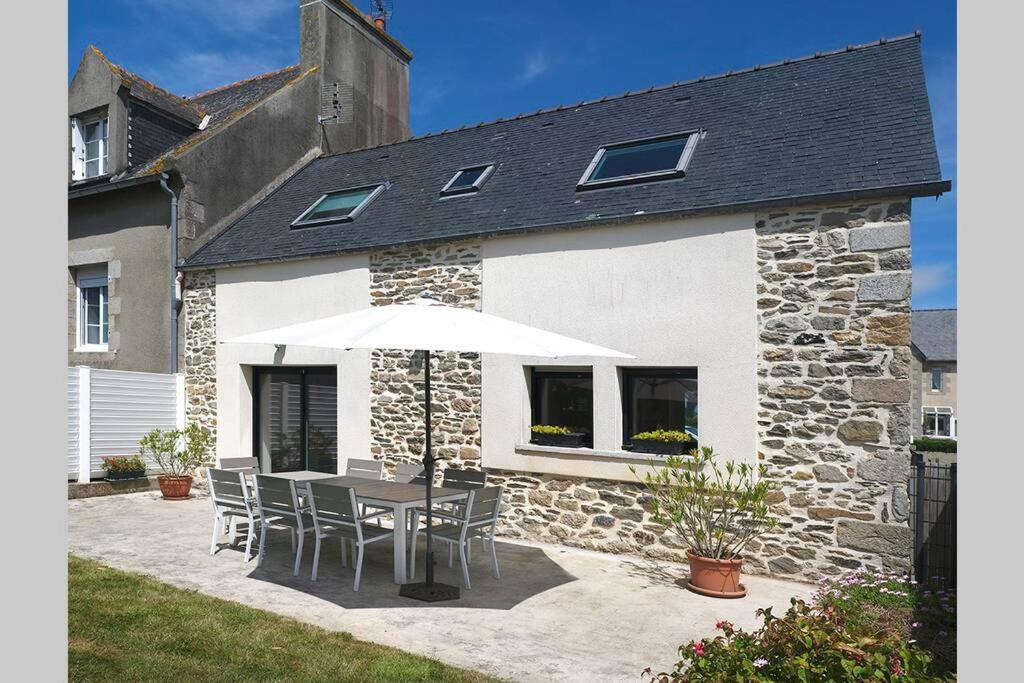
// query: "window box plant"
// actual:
[[553, 435], [716, 509], [178, 453], [122, 467], [662, 442]]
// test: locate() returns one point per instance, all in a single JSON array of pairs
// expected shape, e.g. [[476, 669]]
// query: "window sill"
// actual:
[[534, 449], [92, 349]]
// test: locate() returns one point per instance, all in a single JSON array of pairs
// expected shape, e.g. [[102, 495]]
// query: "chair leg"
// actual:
[[469, 547], [451, 550], [263, 542], [344, 551], [248, 540], [412, 555], [213, 539], [465, 564], [316, 555], [359, 568], [298, 555], [291, 532], [494, 559]]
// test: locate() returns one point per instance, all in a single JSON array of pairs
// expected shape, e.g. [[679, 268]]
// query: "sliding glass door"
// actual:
[[296, 419]]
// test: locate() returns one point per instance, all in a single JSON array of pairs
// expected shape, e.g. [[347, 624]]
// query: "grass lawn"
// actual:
[[124, 626]]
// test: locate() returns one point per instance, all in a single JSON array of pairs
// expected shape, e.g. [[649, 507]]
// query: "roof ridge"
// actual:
[[644, 91], [146, 82], [243, 81], [926, 310]]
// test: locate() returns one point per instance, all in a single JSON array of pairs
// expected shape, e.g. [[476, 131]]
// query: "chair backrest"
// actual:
[[455, 478], [333, 504], [407, 472], [247, 465], [227, 488], [483, 505], [276, 496], [367, 469]]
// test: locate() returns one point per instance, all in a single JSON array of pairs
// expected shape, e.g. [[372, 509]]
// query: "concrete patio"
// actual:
[[556, 614]]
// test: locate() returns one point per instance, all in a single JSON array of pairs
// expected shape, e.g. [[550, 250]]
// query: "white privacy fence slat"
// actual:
[[110, 410]]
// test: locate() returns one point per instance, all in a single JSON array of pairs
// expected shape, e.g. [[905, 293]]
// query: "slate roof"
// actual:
[[153, 94], [220, 102], [933, 333], [848, 123]]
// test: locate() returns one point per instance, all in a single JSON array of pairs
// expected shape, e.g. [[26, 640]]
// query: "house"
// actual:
[[745, 236], [933, 342], [153, 175]]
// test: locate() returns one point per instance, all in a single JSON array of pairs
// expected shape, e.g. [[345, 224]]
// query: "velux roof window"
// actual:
[[338, 206], [639, 160], [467, 180]]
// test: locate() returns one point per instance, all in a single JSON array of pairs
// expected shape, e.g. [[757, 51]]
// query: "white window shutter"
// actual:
[[77, 150]]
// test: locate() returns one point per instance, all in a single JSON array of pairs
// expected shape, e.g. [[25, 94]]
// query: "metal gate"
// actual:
[[933, 519]]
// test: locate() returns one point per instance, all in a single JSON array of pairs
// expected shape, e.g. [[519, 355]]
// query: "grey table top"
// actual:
[[377, 489]]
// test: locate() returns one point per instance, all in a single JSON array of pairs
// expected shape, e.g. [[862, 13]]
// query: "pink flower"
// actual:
[[698, 649]]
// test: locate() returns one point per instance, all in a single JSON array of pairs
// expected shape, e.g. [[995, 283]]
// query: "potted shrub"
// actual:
[[177, 464], [662, 442], [553, 435], [122, 467], [717, 509]]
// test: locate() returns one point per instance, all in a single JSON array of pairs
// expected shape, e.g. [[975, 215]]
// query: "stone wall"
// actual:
[[199, 315], [450, 274], [833, 386]]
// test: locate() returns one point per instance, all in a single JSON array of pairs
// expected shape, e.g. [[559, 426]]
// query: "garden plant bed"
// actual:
[[106, 487], [127, 627]]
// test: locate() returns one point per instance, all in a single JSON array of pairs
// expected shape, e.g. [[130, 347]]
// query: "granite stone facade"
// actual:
[[833, 388], [200, 352]]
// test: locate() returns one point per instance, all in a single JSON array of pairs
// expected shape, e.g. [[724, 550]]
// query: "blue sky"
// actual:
[[484, 60]]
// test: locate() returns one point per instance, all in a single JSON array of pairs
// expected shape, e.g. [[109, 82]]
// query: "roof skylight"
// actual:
[[638, 160], [468, 180], [338, 206]]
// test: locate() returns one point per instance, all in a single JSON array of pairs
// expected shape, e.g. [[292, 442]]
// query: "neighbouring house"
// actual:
[[153, 175], [745, 236], [933, 342]]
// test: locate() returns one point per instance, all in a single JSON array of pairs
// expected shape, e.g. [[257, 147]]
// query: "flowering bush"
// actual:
[[555, 430], [865, 626], [121, 467]]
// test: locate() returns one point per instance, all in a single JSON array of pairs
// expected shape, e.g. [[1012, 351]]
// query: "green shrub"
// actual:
[[121, 464], [668, 435], [716, 509], [550, 429], [163, 448], [862, 626], [929, 443]]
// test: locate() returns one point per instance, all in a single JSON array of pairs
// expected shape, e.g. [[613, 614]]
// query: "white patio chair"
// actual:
[[366, 469], [333, 509], [479, 519], [408, 473], [245, 465], [456, 478], [232, 501], [278, 505]]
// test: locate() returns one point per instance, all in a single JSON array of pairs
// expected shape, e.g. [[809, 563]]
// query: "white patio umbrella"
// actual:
[[427, 325]]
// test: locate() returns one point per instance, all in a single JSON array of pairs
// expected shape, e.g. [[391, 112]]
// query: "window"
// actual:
[[564, 399], [89, 147], [467, 180], [938, 422], [93, 328], [639, 160], [659, 398], [295, 425], [936, 379], [342, 205]]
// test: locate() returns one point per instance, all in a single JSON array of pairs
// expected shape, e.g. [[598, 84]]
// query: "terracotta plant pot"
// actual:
[[174, 488], [715, 578]]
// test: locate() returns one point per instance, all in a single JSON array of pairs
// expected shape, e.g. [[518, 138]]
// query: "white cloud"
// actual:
[[195, 72], [536, 65], [932, 277], [232, 15]]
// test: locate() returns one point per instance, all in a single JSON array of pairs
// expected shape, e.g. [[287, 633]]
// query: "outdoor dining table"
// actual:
[[381, 493]]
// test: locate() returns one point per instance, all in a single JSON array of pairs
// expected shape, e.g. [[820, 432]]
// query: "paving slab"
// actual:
[[556, 613]]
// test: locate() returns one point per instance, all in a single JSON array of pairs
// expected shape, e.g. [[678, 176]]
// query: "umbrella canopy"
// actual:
[[427, 325]]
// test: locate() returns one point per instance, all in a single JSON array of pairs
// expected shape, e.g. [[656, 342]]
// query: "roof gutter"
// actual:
[[110, 186], [175, 285], [928, 189]]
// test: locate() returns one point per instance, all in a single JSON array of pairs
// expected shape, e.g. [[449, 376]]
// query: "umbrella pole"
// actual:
[[428, 591]]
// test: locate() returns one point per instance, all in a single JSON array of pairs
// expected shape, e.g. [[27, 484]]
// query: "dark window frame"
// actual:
[[449, 191], [674, 372], [537, 373], [376, 189], [679, 171], [302, 371]]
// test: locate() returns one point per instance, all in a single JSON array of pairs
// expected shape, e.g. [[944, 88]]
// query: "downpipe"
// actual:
[[175, 277]]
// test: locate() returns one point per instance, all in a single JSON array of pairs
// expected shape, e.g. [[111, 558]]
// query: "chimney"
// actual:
[[381, 22], [363, 74]]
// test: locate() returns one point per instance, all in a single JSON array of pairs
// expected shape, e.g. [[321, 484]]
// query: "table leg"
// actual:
[[400, 545]]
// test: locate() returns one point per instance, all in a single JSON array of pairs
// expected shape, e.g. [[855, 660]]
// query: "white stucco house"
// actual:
[[745, 236]]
